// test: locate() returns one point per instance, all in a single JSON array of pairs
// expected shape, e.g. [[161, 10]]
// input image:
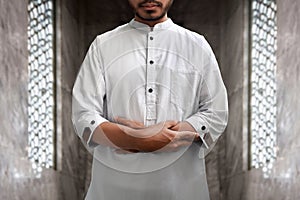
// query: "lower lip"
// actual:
[[149, 7]]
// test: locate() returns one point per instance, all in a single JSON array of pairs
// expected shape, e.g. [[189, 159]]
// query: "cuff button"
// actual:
[[93, 122], [203, 128]]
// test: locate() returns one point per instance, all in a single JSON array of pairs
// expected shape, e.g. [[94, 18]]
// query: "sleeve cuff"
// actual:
[[91, 123], [202, 129]]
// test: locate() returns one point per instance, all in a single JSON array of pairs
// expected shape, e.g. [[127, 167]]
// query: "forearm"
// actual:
[[148, 139], [126, 138], [115, 135]]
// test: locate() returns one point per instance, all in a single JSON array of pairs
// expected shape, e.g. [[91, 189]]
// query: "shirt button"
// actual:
[[151, 38], [203, 128], [151, 62], [93, 122], [150, 90]]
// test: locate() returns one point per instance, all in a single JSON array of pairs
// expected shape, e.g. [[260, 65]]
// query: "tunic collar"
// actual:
[[160, 26]]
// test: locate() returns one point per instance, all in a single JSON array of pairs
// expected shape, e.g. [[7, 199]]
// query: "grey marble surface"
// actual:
[[17, 180], [75, 160], [283, 184]]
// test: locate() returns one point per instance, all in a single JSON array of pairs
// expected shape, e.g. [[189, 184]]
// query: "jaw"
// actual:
[[152, 12], [150, 16]]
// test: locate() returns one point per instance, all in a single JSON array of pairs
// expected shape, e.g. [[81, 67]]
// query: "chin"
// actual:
[[150, 16]]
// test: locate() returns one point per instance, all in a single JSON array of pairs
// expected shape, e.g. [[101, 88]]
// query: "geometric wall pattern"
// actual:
[[263, 84], [40, 84]]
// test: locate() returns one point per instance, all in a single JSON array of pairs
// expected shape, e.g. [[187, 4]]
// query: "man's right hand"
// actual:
[[162, 139]]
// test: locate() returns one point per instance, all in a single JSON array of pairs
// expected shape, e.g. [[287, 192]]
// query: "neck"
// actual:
[[149, 22]]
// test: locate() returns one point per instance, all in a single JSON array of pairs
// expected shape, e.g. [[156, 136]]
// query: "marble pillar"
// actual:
[[17, 179], [237, 182]]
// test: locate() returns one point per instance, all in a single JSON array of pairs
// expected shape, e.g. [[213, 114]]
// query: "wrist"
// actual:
[[188, 127]]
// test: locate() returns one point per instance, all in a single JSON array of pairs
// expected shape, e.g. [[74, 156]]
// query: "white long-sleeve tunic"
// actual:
[[149, 75]]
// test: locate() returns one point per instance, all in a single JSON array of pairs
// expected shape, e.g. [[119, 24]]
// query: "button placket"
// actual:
[[150, 85]]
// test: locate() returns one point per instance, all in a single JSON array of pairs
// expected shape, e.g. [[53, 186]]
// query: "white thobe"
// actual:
[[149, 75]]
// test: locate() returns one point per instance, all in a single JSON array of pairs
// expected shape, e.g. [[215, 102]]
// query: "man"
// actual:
[[148, 101]]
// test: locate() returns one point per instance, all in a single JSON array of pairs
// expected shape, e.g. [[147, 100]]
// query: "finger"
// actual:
[[171, 123], [176, 127], [197, 137], [187, 135], [175, 136]]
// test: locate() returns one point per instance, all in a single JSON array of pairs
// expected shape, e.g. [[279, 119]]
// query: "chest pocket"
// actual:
[[185, 91]]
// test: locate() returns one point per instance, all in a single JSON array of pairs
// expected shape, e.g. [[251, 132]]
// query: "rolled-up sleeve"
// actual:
[[88, 97], [211, 118]]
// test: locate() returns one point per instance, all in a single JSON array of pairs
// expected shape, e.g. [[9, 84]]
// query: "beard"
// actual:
[[150, 18]]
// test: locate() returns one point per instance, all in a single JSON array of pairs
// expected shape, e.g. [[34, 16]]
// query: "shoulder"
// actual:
[[193, 37], [189, 34], [112, 34]]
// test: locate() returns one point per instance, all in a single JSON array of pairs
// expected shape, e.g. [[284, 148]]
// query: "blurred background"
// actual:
[[257, 45]]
